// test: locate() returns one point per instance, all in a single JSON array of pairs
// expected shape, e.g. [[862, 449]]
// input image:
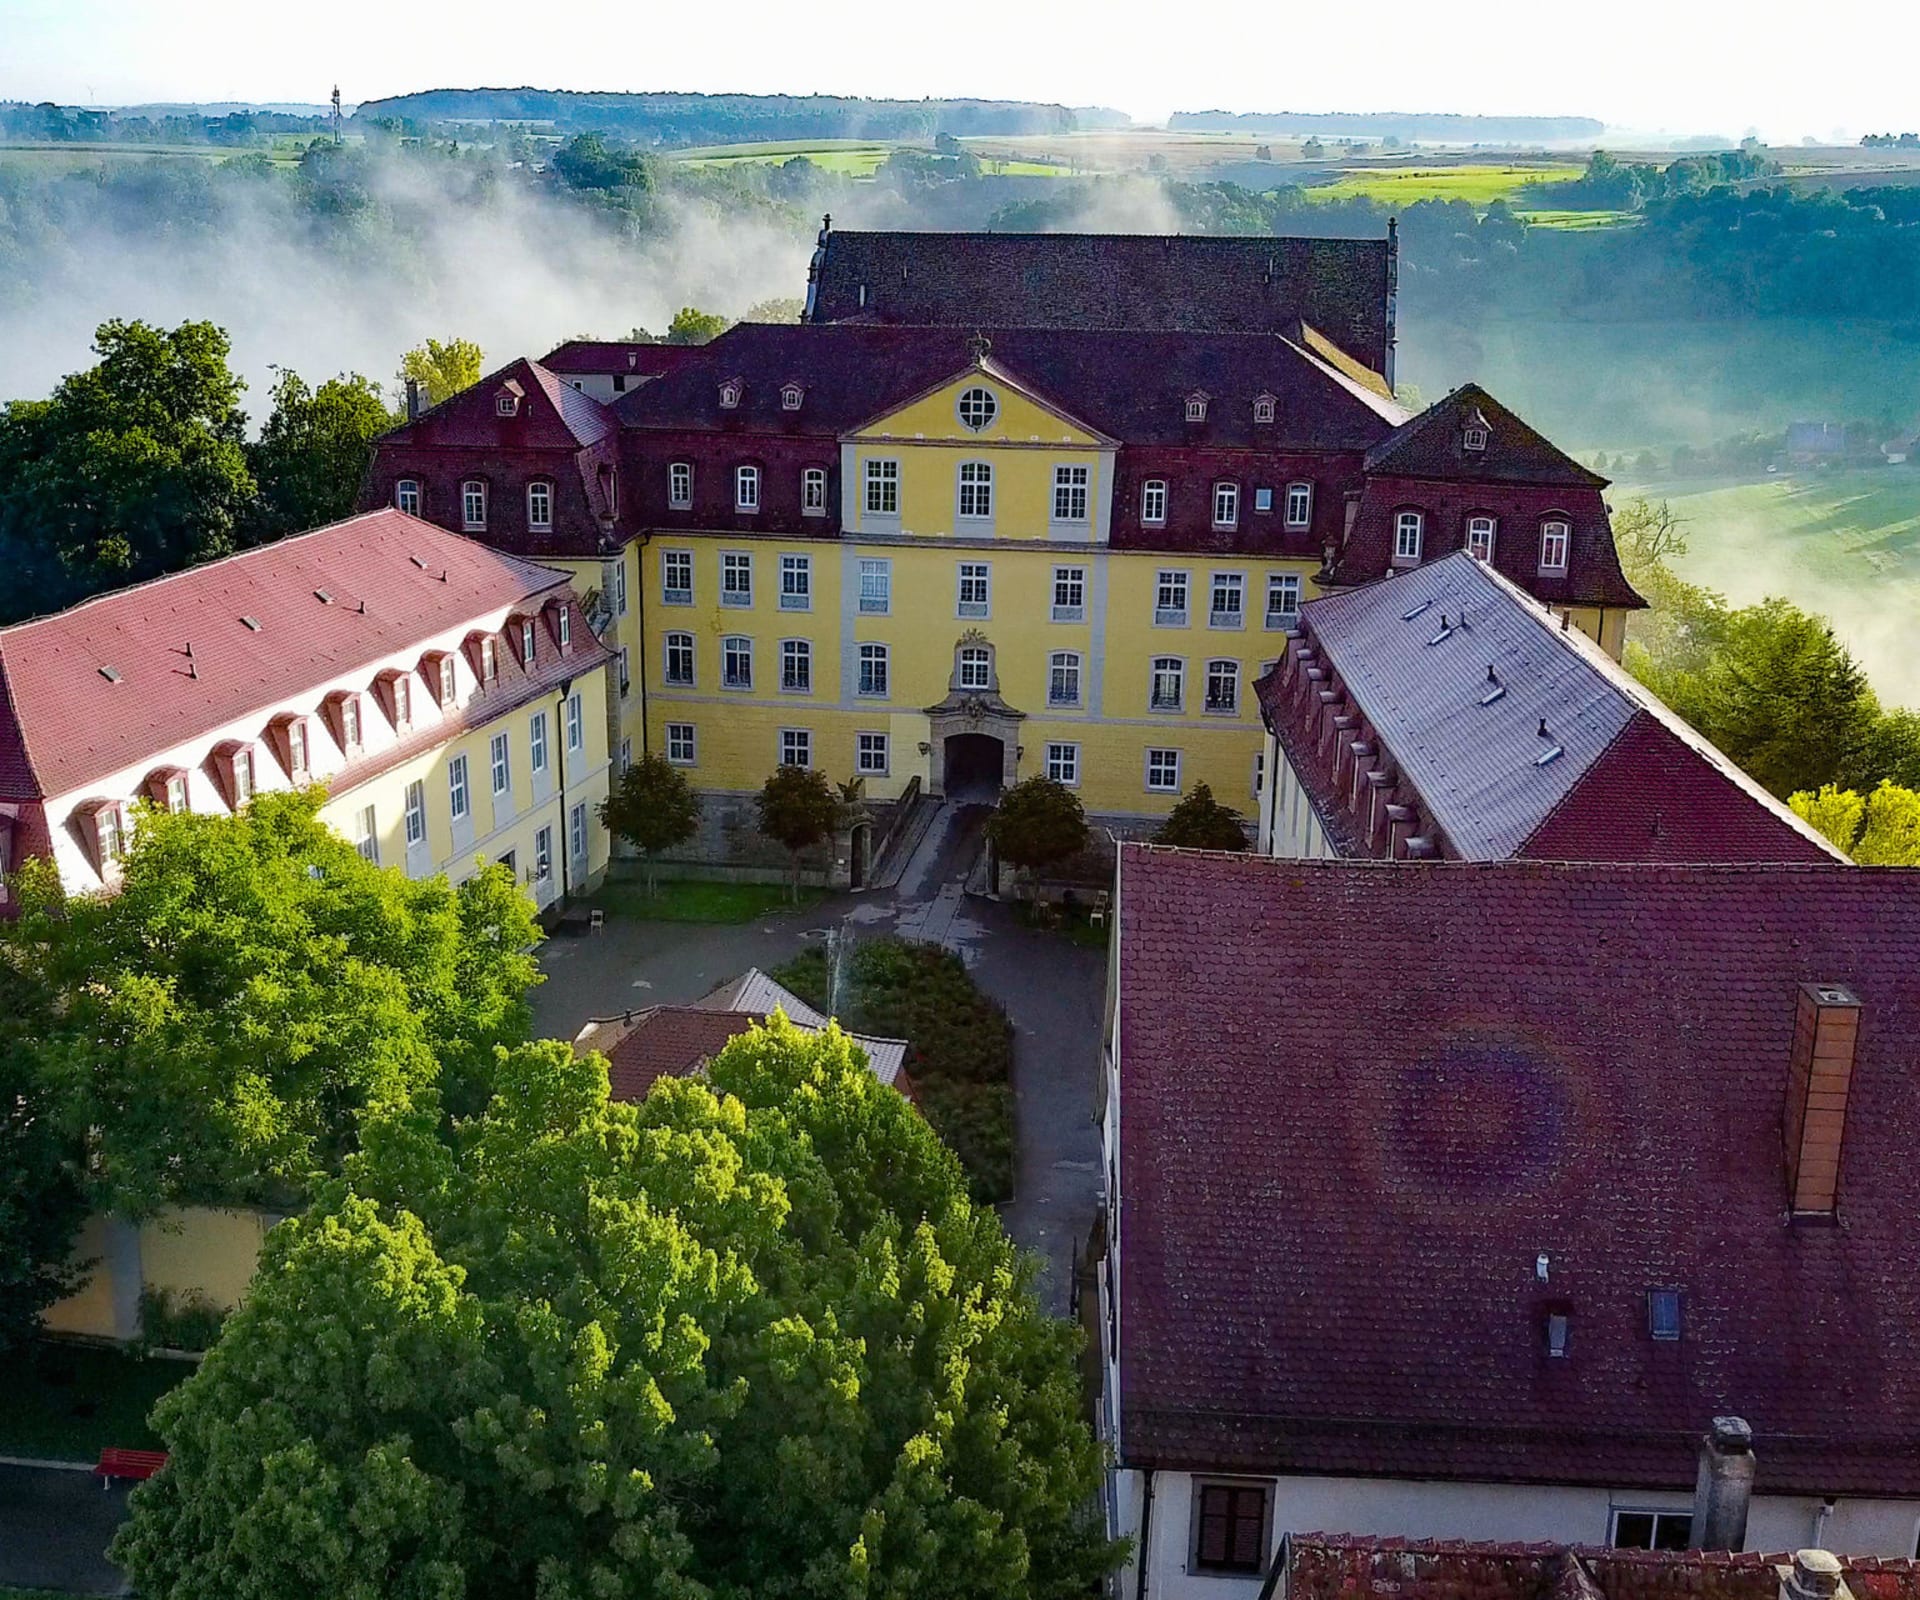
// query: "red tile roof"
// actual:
[[1431, 445], [1106, 280], [1323, 1566], [613, 357], [671, 1042], [392, 580], [1358, 1100]]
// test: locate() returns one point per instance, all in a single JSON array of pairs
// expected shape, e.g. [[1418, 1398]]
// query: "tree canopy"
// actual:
[[746, 1339], [691, 325], [442, 369], [652, 807], [1038, 824], [1881, 829], [222, 1025], [1200, 822], [799, 810], [314, 450]]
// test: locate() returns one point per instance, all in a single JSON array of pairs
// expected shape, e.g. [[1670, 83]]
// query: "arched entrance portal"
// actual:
[[975, 764]]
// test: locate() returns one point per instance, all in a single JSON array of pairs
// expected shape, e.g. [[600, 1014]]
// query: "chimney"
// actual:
[[1814, 1575], [1826, 1023], [1724, 1487], [413, 398]]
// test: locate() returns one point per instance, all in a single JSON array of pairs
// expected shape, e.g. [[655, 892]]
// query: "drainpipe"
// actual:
[[640, 567], [560, 769], [1146, 1539]]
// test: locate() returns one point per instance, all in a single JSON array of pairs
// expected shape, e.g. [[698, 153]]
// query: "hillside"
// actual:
[[1437, 127], [681, 119]]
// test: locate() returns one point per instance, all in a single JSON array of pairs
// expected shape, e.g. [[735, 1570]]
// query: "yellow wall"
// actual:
[[191, 1251]]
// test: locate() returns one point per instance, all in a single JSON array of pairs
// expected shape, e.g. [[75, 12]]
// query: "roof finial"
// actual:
[[981, 346]]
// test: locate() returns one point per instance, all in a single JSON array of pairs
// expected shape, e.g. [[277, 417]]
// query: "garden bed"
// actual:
[[960, 1054]]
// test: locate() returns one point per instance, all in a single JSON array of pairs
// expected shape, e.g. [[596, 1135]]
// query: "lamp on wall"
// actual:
[[925, 748]]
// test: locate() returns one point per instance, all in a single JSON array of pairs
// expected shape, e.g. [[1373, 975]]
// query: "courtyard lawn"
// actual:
[[1482, 184], [65, 1402], [689, 900]]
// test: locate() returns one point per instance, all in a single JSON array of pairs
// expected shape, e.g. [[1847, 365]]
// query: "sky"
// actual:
[[1670, 65]]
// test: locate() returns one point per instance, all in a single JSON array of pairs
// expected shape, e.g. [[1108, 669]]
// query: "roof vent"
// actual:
[[1446, 630], [1408, 616], [1495, 690], [418, 562], [109, 674], [323, 597], [251, 624], [1547, 757]]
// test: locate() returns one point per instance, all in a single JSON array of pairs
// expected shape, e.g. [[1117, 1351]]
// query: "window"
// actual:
[[1554, 538], [1230, 1527], [1170, 600], [402, 702], [1480, 538], [1223, 687], [873, 669], [1227, 608], [1226, 505], [976, 489], [746, 488], [1153, 501], [796, 747], [1063, 678], [1474, 438], [870, 753], [883, 488], [1259, 768], [1663, 1314], [676, 577], [565, 618], [473, 503], [297, 751], [1407, 528], [680, 485], [1196, 408], [1263, 408], [978, 408], [626, 754], [366, 836], [406, 496], [729, 395], [680, 660], [1299, 505], [537, 741], [106, 823], [1169, 682], [736, 579], [680, 743], [974, 593], [796, 666], [620, 587], [543, 855], [1063, 764], [457, 796], [350, 723], [1283, 599], [416, 813], [1070, 493], [976, 667], [1262, 499], [502, 767], [242, 775], [176, 793], [1163, 771], [813, 492], [505, 405], [1069, 594], [876, 588], [796, 583], [610, 486], [577, 833], [576, 723], [790, 396], [539, 505], [489, 661], [1652, 1530], [736, 662]]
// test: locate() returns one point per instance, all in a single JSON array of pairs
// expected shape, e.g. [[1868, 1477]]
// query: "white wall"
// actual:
[[1289, 825], [1424, 1509]]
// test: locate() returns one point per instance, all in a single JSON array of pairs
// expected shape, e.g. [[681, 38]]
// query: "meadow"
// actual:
[[857, 157], [1479, 183]]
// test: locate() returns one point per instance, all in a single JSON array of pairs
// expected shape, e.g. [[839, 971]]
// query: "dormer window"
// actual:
[[296, 741], [489, 662], [730, 394], [442, 678], [1196, 407], [110, 834], [1474, 432], [528, 648], [564, 625], [167, 789], [1263, 408], [506, 403], [233, 770], [399, 700], [790, 397]]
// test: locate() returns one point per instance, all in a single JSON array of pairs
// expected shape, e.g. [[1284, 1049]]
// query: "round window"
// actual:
[[978, 408]]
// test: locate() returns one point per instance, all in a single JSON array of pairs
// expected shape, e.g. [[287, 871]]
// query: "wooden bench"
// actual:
[[137, 1465]]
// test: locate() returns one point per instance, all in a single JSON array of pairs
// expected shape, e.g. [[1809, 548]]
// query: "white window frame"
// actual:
[[973, 575], [243, 775], [489, 674], [406, 496], [736, 647], [1283, 586], [449, 685], [1167, 685], [871, 682], [876, 599], [415, 822], [563, 615], [736, 565], [1556, 534], [1226, 505], [679, 485], [1151, 763], [529, 644], [746, 489], [1063, 678], [679, 642], [623, 664], [543, 854], [537, 742], [540, 505], [973, 491], [796, 583], [1474, 439], [1263, 408], [1222, 672], [1069, 594], [791, 395], [682, 747], [620, 586], [577, 831], [1409, 535], [882, 478], [1063, 763], [506, 405], [971, 657], [796, 666], [1485, 530], [1299, 512], [1615, 1513], [985, 408], [299, 762], [813, 492], [1153, 502], [459, 794], [1072, 493], [176, 801], [1230, 587], [500, 763], [872, 755], [473, 493], [669, 561], [1196, 408], [1262, 500], [1167, 582], [796, 741], [576, 722]]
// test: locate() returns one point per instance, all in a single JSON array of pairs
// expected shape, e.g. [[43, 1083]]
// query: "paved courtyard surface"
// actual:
[[1053, 991], [54, 1528]]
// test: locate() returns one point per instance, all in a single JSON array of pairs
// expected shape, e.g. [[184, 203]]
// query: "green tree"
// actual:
[[585, 162], [1200, 822], [254, 990], [749, 1337], [134, 468], [314, 451], [441, 370], [782, 308], [1833, 812], [1880, 830], [693, 326], [653, 808], [799, 810], [1038, 824]]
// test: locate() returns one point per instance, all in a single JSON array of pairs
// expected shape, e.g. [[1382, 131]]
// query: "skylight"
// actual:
[[1663, 1313]]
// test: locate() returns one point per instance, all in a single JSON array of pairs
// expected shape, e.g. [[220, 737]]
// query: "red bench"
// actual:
[[137, 1465]]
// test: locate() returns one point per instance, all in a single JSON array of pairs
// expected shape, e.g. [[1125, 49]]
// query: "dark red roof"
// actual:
[[1352, 1567], [1359, 1100], [1103, 280], [671, 1042], [67, 724], [588, 357], [552, 415], [1432, 445]]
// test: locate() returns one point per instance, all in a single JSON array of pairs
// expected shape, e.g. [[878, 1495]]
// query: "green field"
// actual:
[[858, 158], [285, 150], [1846, 544], [1576, 220], [1482, 184]]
